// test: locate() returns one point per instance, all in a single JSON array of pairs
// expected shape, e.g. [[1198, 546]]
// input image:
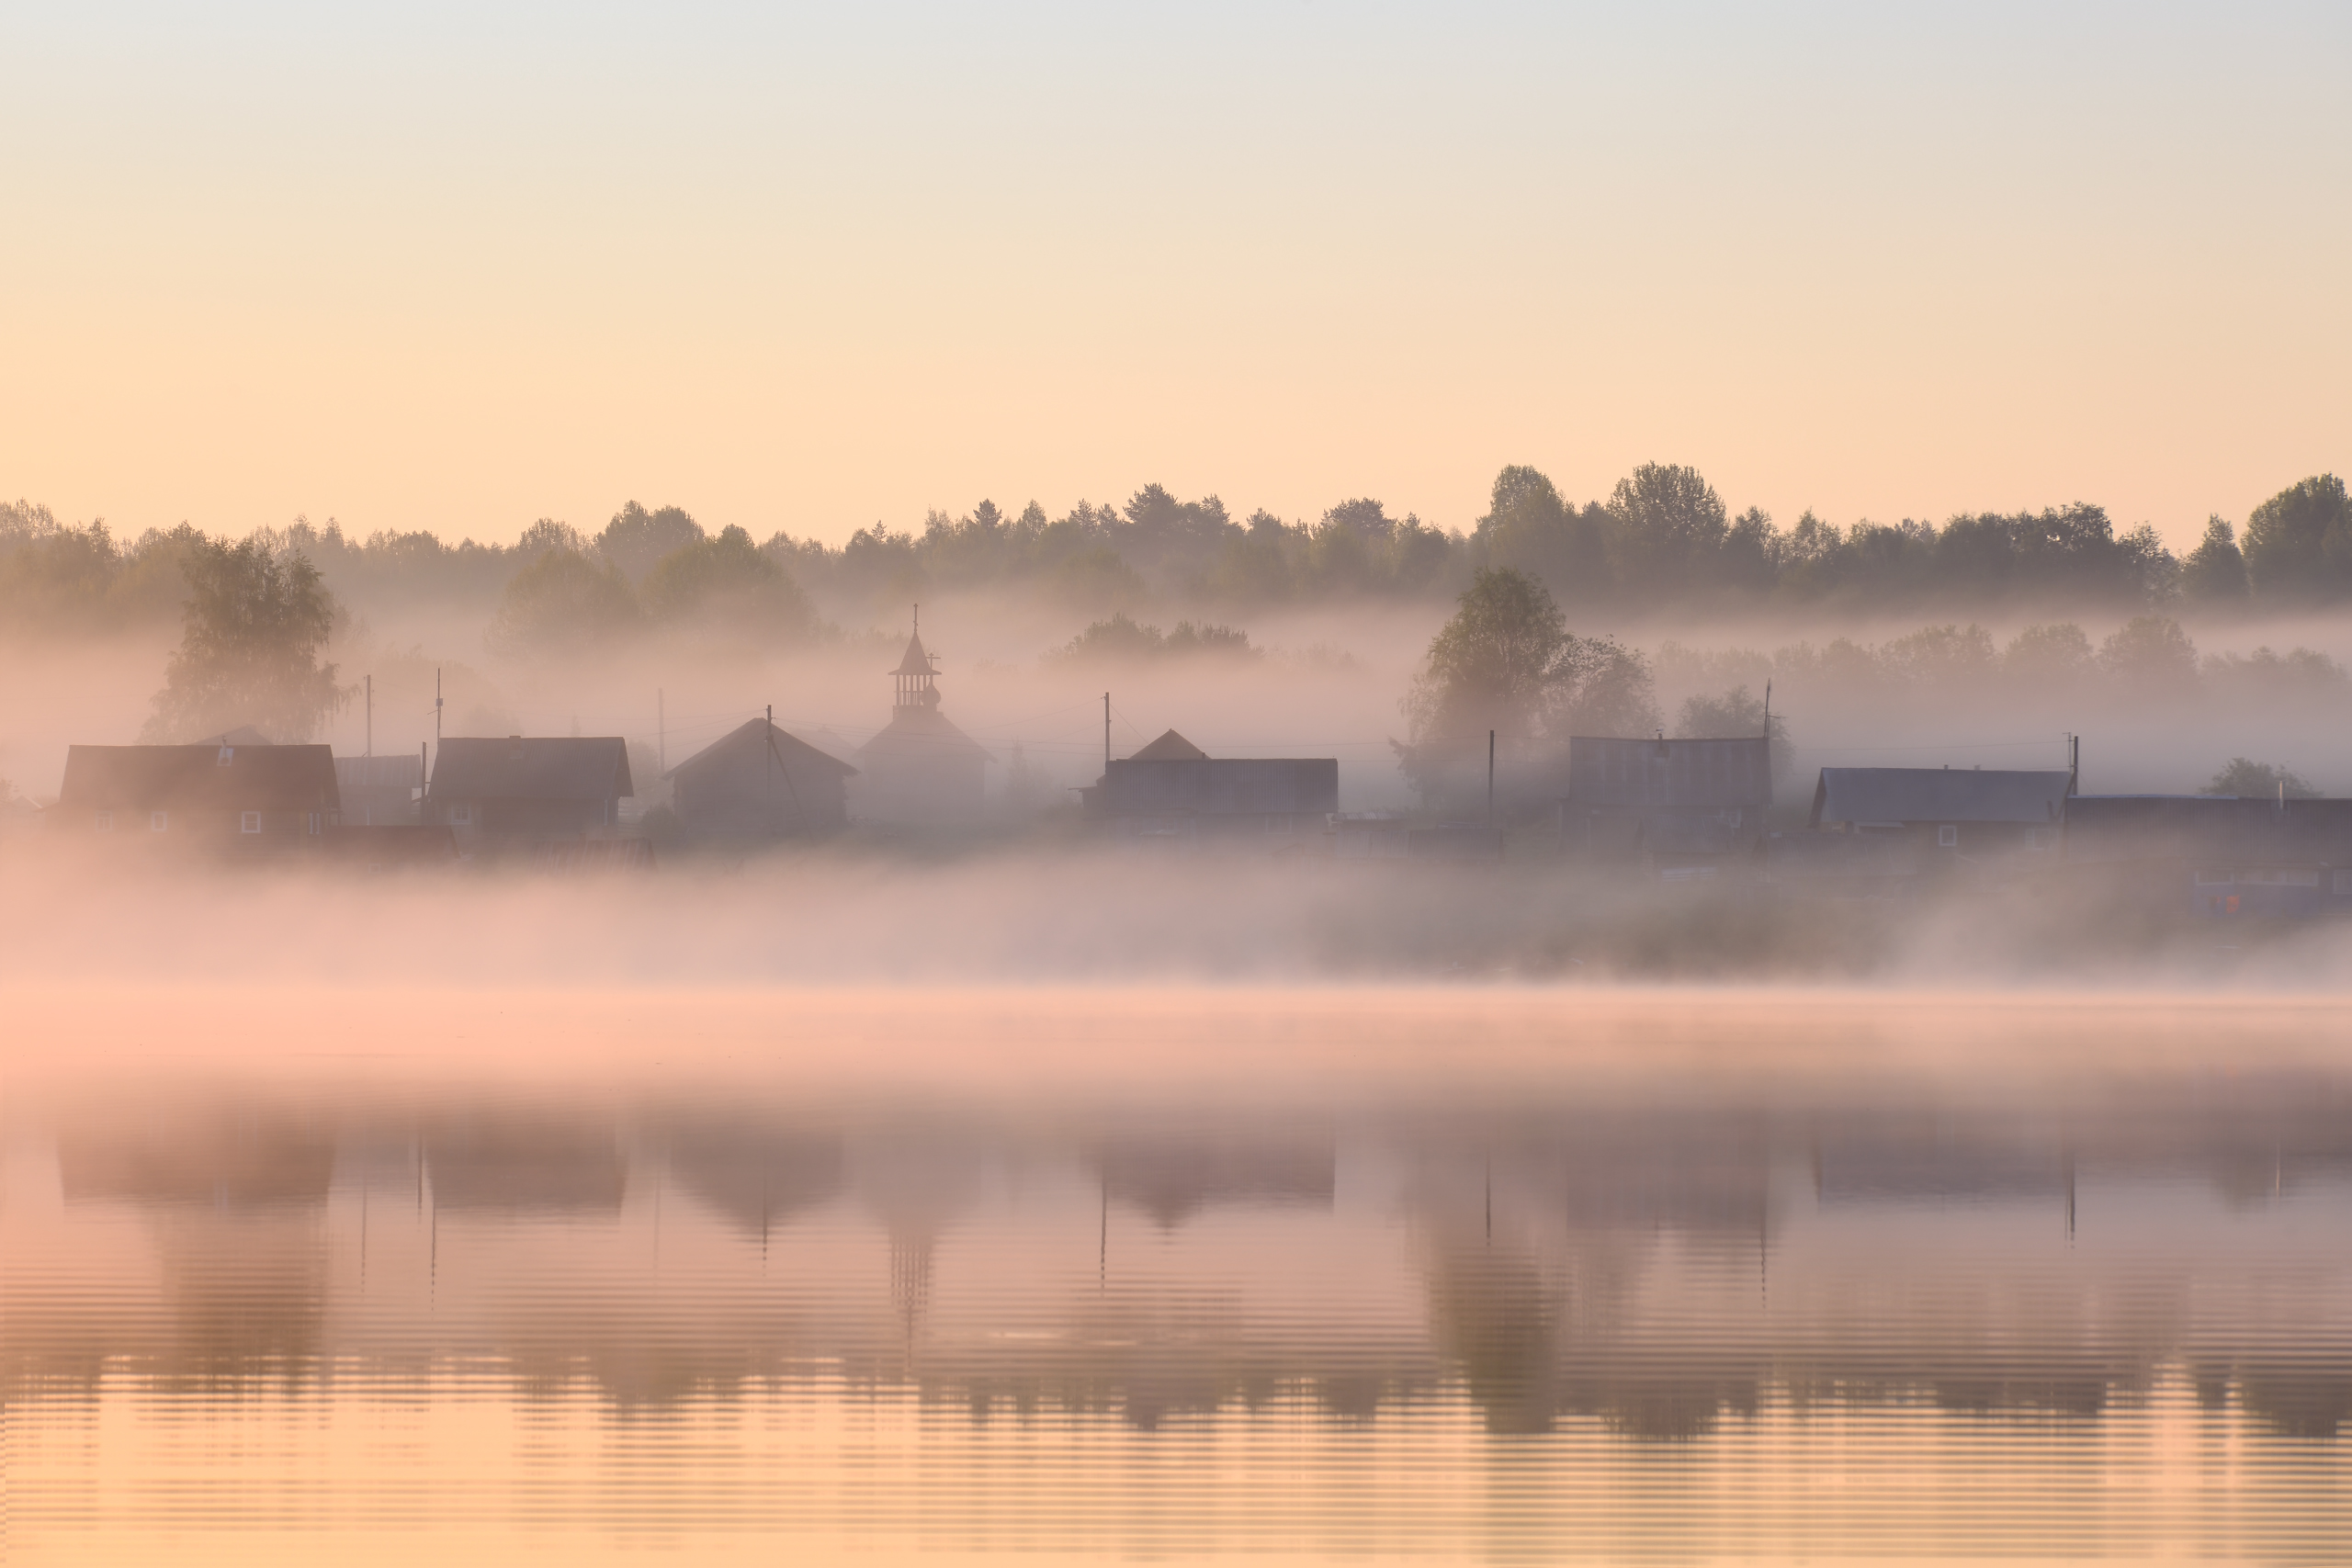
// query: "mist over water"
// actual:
[[1165, 1273], [1005, 1188]]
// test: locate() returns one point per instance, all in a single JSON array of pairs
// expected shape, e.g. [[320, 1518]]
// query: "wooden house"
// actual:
[[920, 771], [1171, 792], [2217, 857], [1968, 815], [1676, 806], [520, 791], [250, 799], [758, 781]]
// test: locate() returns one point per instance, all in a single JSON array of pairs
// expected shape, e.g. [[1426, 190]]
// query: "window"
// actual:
[[249, 822], [2215, 878], [2041, 837], [314, 822], [1947, 836], [2300, 878], [104, 821], [158, 820], [461, 815], [228, 753]]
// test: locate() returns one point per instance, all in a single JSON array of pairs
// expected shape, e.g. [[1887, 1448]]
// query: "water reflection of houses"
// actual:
[[756, 1174], [1542, 1238], [1658, 1272], [524, 1164], [234, 1203], [1173, 1178]]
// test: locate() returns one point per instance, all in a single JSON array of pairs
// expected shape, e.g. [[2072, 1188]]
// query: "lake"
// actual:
[[1131, 1274]]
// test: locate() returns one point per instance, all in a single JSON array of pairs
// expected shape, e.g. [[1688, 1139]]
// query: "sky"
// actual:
[[461, 267]]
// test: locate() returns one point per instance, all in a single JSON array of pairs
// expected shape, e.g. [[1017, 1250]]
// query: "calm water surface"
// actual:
[[1790, 1316]]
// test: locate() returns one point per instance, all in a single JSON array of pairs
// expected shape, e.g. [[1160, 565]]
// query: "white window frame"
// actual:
[[2039, 838], [2216, 878], [1947, 836], [157, 821], [462, 813], [103, 821], [315, 823], [249, 822]]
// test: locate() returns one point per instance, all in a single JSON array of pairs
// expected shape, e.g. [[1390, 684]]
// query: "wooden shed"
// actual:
[[530, 790], [1171, 790], [758, 782]]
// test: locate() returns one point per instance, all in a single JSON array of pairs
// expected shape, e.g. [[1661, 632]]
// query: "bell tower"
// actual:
[[915, 682]]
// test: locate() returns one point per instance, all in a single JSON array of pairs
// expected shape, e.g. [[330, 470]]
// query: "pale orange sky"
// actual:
[[460, 268]]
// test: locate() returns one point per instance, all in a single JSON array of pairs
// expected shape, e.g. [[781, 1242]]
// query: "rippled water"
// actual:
[[1523, 1305]]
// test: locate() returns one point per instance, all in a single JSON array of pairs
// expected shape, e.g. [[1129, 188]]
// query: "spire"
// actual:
[[915, 680]]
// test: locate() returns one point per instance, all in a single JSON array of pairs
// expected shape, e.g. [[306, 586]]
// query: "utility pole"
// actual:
[[661, 730], [371, 716], [1106, 735], [436, 710], [2074, 764], [1490, 779]]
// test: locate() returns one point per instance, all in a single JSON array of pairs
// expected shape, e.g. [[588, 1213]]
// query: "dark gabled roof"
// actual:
[[223, 778], [917, 736], [917, 662], [791, 749], [1612, 771], [1170, 748], [539, 767], [243, 735], [1939, 794]]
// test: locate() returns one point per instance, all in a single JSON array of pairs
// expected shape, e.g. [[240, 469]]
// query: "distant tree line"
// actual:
[[1507, 672], [1663, 540]]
